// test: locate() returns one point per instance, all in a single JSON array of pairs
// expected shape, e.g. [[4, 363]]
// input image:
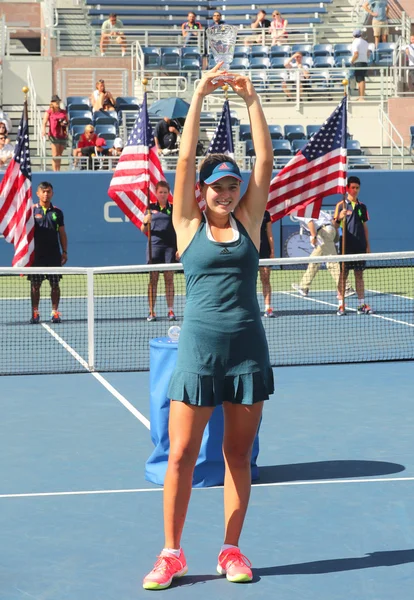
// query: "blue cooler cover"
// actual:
[[209, 469]]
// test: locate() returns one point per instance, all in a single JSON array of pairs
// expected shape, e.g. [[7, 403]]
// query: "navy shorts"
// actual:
[[162, 255], [357, 265], [37, 279]]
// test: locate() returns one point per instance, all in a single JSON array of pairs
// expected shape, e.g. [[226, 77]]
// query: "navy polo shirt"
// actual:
[[162, 230], [46, 235], [355, 240]]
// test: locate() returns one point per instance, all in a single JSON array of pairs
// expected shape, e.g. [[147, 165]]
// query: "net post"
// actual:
[[91, 319]]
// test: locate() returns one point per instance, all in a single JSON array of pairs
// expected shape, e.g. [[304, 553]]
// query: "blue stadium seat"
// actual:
[[250, 148], [353, 148], [104, 118], [108, 132], [298, 145], [359, 162], [323, 62], [260, 81], [259, 51], [305, 49], [278, 62], [412, 137], [190, 64], [188, 52], [283, 51], [322, 50], [276, 78], [78, 102], [384, 54], [343, 60], [245, 132], [126, 103], [294, 132], [311, 129], [259, 63], [212, 63], [242, 52], [171, 58], [79, 117], [234, 118], [152, 57], [342, 50], [239, 64], [76, 132], [281, 148], [320, 80], [276, 132]]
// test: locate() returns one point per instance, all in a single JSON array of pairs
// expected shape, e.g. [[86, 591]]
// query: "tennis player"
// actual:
[[223, 357], [267, 250], [163, 248]]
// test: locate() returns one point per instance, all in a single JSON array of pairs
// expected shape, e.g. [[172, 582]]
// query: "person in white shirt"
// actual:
[[322, 239], [360, 56], [6, 152], [297, 71]]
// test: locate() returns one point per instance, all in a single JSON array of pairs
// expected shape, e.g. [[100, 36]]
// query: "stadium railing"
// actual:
[[82, 81]]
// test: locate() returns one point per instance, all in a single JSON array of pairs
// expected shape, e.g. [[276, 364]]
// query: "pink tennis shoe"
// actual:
[[235, 566], [167, 568]]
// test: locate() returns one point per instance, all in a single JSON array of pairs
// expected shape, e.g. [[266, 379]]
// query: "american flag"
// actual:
[[16, 207], [221, 143], [138, 171], [316, 171]]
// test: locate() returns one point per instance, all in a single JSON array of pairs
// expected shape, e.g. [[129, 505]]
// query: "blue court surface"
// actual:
[[332, 517]]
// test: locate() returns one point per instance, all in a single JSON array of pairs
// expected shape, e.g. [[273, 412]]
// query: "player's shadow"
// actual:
[[387, 558], [327, 469]]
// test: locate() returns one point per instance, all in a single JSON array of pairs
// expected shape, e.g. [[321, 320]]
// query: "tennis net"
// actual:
[[104, 315]]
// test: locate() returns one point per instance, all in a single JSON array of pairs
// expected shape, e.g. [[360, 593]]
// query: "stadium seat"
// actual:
[[359, 162], [190, 64], [305, 49], [242, 52], [323, 62], [260, 81], [343, 61], [104, 118], [342, 50], [384, 54], [152, 57], [234, 118], [212, 63], [171, 58], [353, 148], [126, 103], [250, 148], [78, 103], [322, 50], [311, 129], [108, 132], [259, 63], [294, 132], [245, 133], [298, 145], [259, 52], [320, 80], [276, 78], [76, 132], [79, 117], [283, 51], [276, 132], [281, 148], [412, 137], [188, 52], [278, 62], [239, 64]]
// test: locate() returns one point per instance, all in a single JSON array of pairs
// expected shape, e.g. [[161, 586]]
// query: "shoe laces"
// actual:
[[56, 313], [235, 557], [165, 563]]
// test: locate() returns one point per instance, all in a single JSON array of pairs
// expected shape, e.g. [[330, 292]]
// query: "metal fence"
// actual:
[[82, 81]]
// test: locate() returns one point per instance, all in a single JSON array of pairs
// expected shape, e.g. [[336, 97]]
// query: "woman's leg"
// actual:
[[240, 427], [186, 427], [169, 289], [267, 290], [152, 291], [57, 150]]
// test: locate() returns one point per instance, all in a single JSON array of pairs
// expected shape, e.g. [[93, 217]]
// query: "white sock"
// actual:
[[267, 306], [361, 301], [170, 308], [173, 551], [226, 547]]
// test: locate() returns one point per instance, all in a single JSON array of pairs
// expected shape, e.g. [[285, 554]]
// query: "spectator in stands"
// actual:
[[4, 118], [267, 250], [188, 28], [166, 135], [360, 56], [260, 22], [278, 29], [101, 99], [56, 118], [298, 73], [4, 131], [86, 139], [111, 32], [163, 247], [6, 151], [117, 148], [379, 10], [95, 154], [217, 18], [409, 51]]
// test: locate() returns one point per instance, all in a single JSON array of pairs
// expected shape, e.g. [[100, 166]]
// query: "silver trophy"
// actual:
[[222, 41]]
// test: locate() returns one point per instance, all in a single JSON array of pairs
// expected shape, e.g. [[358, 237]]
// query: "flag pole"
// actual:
[[144, 82], [342, 283]]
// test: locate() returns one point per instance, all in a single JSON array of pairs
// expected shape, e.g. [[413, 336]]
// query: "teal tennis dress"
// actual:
[[222, 352]]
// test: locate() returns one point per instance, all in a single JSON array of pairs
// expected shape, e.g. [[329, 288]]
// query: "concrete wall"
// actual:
[[401, 113], [28, 13], [99, 234], [15, 77]]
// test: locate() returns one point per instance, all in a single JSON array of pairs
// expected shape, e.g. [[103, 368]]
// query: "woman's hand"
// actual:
[[243, 87], [212, 80]]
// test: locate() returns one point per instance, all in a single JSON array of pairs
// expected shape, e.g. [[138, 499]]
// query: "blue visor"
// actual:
[[213, 172]]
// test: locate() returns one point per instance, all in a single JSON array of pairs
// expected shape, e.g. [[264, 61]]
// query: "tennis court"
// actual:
[[332, 514]]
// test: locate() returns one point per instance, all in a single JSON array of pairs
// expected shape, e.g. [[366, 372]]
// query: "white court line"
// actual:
[[99, 378], [216, 487], [348, 308], [390, 294]]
